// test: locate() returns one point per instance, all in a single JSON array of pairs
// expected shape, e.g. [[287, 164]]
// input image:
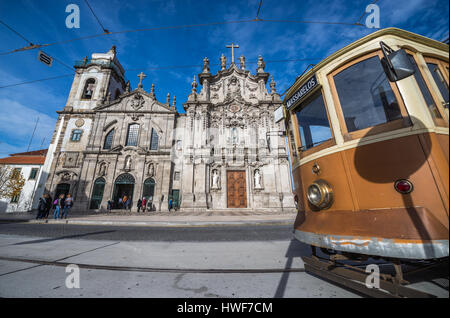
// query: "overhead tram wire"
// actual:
[[364, 13], [36, 46], [31, 44], [162, 68], [98, 20], [259, 8], [17, 33]]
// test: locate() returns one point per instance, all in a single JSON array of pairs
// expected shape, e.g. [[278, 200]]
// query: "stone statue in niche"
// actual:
[[151, 169], [102, 170], [215, 179], [128, 163], [257, 179]]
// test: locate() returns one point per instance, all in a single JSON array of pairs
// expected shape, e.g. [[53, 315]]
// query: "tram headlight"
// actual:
[[320, 194]]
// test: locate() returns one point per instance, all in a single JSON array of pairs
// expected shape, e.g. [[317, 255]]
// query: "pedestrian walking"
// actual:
[[124, 202], [139, 205], [109, 205], [119, 203], [59, 206], [144, 203], [68, 203], [128, 204], [170, 204], [41, 208], [48, 204]]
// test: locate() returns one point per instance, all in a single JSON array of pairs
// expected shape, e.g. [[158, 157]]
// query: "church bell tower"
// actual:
[[98, 79]]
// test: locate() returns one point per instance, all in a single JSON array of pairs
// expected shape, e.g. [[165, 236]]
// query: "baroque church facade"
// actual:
[[224, 152]]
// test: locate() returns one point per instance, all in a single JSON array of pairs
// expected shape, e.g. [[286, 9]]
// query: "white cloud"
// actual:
[[17, 123]]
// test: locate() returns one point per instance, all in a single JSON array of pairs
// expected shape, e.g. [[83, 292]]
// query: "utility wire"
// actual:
[[360, 18], [160, 68], [35, 46], [21, 36], [17, 33], [98, 20], [259, 8], [311, 22], [60, 62]]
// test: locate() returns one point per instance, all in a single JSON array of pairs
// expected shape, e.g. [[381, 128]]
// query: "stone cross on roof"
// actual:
[[232, 46], [141, 77]]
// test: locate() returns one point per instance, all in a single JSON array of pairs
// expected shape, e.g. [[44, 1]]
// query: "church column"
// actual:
[[165, 176]]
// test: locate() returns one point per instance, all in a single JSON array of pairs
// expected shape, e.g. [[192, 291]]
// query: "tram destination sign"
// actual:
[[302, 92]]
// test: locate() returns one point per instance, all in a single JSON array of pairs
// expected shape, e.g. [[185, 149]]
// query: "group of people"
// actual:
[[145, 204], [61, 206], [122, 203]]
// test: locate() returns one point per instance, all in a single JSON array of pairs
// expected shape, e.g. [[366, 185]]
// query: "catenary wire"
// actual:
[[21, 36], [17, 33], [364, 13], [98, 20], [159, 68], [35, 46]]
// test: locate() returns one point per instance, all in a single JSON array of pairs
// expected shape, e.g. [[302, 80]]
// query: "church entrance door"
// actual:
[[236, 189], [124, 186]]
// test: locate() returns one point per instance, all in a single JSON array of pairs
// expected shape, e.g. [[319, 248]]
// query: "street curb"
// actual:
[[157, 223]]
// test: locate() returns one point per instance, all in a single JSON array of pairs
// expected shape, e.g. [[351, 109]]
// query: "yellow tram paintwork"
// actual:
[[367, 215]]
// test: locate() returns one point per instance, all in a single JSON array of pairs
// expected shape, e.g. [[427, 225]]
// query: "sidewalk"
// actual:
[[159, 218]]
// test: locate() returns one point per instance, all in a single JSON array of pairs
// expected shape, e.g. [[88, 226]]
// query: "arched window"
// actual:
[[154, 140], [149, 189], [97, 193], [132, 136], [109, 140], [89, 88]]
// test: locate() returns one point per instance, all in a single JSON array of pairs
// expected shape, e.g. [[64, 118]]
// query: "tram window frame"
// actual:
[[442, 64], [296, 128], [444, 69], [441, 122], [372, 130]]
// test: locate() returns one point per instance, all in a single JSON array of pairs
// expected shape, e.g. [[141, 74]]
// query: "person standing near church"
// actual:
[[48, 204], [150, 204], [144, 204], [139, 205], [128, 204], [68, 203], [41, 208], [59, 206], [124, 202]]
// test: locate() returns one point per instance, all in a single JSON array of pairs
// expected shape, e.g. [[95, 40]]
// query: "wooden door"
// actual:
[[236, 189]]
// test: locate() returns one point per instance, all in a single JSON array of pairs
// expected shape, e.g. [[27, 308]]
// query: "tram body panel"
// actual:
[[415, 227], [359, 166]]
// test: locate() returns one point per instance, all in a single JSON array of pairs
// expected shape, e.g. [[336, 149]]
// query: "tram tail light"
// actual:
[[320, 194], [403, 186]]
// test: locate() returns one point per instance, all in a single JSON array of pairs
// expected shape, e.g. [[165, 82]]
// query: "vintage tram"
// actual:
[[368, 131]]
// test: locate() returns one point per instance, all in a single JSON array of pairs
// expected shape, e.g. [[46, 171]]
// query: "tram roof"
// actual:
[[388, 31]]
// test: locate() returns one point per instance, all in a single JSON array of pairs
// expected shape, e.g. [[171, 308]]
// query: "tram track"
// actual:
[[154, 269]]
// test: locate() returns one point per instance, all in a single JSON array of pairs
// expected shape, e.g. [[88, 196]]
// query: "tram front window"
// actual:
[[439, 79], [313, 123], [365, 95]]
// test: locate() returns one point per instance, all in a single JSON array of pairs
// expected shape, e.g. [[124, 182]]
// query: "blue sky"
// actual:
[[43, 21]]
